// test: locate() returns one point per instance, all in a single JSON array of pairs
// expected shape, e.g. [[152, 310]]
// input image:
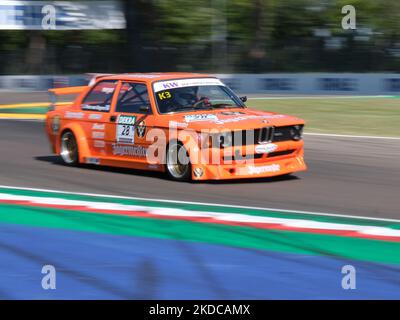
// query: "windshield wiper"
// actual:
[[182, 108], [222, 105], [191, 108], [176, 108]]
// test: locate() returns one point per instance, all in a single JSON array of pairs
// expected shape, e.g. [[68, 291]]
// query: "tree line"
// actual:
[[218, 36]]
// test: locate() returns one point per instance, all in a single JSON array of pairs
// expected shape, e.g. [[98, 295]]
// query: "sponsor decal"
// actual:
[[74, 115], [134, 151], [198, 172], [55, 124], [95, 116], [107, 90], [153, 166], [266, 148], [91, 160], [164, 95], [128, 120], [141, 129], [264, 169], [98, 126], [237, 119], [61, 15], [96, 107], [125, 129], [249, 117], [99, 144], [232, 113], [200, 117], [278, 84], [392, 84], [337, 84], [98, 134], [172, 84], [175, 124]]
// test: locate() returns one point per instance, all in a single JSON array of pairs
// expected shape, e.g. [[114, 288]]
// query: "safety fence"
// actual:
[[277, 83]]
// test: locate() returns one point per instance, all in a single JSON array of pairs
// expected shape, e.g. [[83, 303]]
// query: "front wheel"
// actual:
[[178, 162], [69, 149]]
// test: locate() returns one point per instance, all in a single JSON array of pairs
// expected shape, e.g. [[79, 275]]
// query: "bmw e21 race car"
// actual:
[[190, 126]]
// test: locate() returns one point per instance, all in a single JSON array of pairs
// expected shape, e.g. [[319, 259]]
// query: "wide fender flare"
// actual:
[[190, 140], [81, 139]]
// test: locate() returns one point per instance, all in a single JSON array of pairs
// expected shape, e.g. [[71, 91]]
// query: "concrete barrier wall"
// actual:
[[315, 83], [40, 83], [277, 83]]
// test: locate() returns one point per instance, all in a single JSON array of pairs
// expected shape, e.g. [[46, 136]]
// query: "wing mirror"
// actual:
[[243, 99], [145, 109]]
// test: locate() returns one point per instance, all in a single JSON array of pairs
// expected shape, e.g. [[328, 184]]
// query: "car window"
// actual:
[[196, 98], [100, 97], [132, 97]]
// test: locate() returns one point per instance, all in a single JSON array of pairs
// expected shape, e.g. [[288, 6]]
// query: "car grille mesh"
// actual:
[[257, 136]]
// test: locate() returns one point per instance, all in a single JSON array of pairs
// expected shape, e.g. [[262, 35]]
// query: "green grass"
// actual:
[[33, 110], [362, 116]]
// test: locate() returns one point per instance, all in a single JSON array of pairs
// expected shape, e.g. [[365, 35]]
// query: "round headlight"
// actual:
[[297, 132]]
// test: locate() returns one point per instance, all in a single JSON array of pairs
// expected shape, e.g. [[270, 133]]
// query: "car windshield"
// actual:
[[192, 98]]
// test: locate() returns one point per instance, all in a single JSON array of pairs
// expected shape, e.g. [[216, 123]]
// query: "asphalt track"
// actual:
[[106, 256], [103, 266], [346, 176]]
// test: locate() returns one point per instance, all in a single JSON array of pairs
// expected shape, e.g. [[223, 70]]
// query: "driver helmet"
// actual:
[[185, 96]]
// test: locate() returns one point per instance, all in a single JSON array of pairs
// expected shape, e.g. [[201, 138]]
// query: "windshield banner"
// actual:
[[172, 84]]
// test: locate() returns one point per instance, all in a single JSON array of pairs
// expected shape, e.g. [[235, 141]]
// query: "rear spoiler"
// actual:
[[95, 76], [67, 90], [77, 90], [53, 93]]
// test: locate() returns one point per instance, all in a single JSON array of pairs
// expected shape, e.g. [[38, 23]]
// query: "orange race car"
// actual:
[[191, 126]]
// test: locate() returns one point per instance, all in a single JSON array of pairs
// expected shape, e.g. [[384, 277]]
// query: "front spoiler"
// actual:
[[250, 170]]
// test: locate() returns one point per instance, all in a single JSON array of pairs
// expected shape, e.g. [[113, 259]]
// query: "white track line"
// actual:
[[203, 204], [214, 216], [321, 97], [23, 119], [350, 136]]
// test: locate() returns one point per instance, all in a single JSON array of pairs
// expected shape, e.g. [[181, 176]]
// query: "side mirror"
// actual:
[[144, 108], [243, 99]]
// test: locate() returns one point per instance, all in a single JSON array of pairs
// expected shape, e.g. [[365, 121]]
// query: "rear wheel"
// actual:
[[178, 162], [69, 149]]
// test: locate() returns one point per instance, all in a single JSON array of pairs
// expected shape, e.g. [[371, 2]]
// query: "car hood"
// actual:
[[233, 119]]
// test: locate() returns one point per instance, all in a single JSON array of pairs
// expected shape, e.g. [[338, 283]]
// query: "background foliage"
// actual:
[[218, 36]]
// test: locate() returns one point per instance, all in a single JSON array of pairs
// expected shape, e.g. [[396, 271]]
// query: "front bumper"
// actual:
[[257, 169]]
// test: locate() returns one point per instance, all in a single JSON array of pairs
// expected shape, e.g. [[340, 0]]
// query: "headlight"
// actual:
[[296, 132]]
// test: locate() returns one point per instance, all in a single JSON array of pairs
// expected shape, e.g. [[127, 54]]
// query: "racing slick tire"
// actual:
[[178, 164], [69, 149]]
